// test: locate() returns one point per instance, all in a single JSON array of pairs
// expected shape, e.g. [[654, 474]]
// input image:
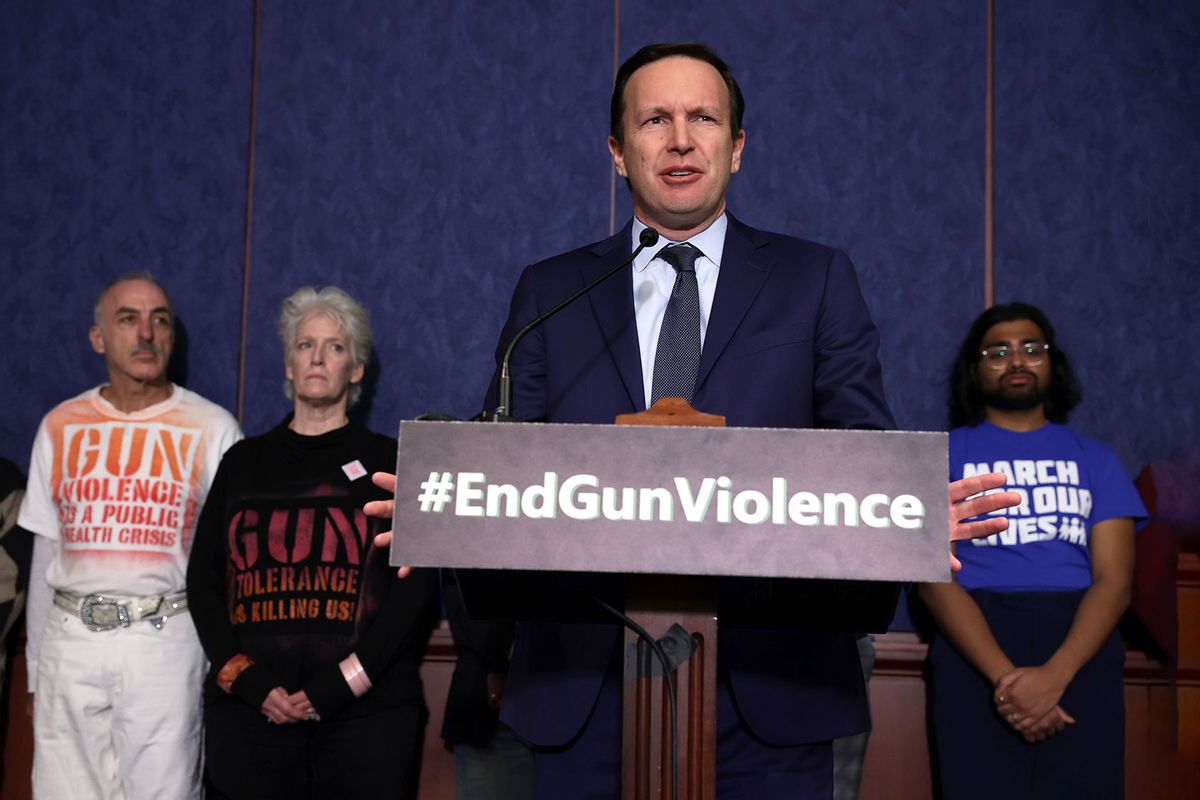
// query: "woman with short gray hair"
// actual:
[[344, 311], [315, 645]]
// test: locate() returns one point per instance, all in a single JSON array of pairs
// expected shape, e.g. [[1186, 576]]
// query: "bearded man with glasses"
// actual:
[[1026, 662]]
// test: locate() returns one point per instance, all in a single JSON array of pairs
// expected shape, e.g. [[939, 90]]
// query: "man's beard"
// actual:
[[1004, 400]]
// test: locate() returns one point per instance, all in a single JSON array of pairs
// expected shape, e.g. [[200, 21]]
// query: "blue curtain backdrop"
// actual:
[[419, 155]]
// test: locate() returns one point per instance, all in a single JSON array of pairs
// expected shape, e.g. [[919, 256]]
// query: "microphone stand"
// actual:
[[647, 238]]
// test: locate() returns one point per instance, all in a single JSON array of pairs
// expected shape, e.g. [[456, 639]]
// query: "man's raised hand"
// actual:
[[384, 509], [962, 509]]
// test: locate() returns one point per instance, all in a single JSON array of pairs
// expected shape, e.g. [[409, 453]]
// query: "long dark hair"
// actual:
[[966, 401]]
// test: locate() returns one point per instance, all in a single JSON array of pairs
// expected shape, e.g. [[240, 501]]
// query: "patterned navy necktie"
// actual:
[[677, 359]]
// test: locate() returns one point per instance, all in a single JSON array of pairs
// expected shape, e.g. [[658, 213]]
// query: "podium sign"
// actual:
[[863, 505]]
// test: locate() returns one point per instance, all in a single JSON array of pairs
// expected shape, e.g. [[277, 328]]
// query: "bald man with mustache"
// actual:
[[117, 477]]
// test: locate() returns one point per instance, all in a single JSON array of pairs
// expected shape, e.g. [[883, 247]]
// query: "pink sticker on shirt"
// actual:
[[354, 470]]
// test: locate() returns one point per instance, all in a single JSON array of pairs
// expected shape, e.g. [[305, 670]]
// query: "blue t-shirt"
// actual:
[[1068, 483]]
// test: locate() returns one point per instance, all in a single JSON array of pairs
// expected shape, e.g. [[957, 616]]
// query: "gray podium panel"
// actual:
[[864, 505]]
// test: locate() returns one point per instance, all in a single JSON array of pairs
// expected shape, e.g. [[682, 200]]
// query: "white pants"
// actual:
[[117, 713]]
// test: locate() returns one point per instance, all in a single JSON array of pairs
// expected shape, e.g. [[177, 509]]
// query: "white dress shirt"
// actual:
[[653, 279]]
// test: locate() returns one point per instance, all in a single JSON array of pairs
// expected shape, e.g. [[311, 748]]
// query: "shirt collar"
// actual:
[[711, 242]]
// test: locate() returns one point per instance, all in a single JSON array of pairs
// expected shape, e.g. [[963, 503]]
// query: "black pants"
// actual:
[[371, 756], [980, 756]]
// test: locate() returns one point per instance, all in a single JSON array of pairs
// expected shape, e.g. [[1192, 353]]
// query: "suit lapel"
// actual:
[[612, 303], [741, 277]]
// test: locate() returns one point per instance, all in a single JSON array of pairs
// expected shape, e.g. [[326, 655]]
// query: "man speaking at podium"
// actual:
[[767, 330]]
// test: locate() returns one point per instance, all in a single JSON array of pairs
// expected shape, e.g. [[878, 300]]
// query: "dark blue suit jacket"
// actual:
[[789, 344]]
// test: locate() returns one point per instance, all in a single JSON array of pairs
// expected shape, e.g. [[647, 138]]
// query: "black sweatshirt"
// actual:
[[283, 569]]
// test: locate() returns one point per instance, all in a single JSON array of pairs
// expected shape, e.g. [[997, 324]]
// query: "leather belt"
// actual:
[[102, 612]]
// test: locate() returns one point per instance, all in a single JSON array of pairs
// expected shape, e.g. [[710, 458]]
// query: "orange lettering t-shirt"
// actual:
[[120, 493]]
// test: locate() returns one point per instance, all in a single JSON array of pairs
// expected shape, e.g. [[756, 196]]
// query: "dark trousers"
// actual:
[[376, 755], [979, 756], [590, 767]]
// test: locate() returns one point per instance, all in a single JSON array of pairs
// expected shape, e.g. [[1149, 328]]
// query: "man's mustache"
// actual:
[[145, 347]]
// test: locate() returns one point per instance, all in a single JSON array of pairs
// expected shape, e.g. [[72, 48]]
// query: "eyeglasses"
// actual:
[[1032, 353]]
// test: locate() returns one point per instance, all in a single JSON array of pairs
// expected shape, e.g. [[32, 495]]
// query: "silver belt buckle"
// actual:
[[149, 614], [100, 613]]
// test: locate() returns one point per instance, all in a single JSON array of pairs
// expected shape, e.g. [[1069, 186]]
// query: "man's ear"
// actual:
[[618, 156], [739, 144], [96, 339]]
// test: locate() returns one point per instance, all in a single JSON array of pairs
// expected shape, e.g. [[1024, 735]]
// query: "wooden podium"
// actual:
[[675, 523], [656, 603]]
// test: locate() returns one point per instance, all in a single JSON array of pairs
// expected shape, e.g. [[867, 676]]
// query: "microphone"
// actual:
[[647, 238]]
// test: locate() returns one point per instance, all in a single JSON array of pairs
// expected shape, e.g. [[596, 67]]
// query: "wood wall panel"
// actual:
[[437, 766], [1188, 684], [17, 733], [897, 763]]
